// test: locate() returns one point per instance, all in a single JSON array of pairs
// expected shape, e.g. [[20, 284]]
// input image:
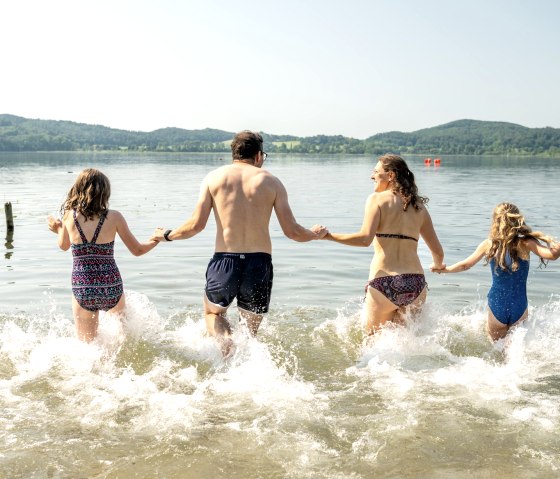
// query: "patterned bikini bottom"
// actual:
[[401, 289]]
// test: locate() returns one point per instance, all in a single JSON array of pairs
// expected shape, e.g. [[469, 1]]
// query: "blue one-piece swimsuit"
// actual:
[[507, 298]]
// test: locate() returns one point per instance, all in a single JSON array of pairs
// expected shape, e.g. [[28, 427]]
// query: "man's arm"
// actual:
[[291, 228], [196, 223]]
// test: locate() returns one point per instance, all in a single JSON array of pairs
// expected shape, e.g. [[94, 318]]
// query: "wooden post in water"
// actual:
[[10, 231], [9, 216]]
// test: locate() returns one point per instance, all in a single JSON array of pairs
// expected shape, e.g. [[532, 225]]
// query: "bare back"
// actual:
[[243, 197], [397, 255]]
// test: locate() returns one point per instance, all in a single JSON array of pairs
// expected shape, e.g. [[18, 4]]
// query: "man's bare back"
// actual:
[[243, 197]]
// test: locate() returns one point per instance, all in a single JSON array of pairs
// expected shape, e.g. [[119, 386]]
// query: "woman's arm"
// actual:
[[133, 245], [546, 252], [469, 262], [429, 235], [364, 237]]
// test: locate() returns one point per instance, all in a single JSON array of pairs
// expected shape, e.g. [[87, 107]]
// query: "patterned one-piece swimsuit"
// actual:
[[96, 280]]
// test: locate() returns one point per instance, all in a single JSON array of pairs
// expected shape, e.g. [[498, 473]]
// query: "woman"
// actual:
[[395, 217], [507, 249]]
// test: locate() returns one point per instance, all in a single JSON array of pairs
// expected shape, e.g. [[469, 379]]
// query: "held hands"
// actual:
[[320, 230], [158, 235], [54, 224], [442, 268]]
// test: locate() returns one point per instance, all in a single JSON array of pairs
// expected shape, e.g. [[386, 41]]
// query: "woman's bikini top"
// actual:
[[398, 236]]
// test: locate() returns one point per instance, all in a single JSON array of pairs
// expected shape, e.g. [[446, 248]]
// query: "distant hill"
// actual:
[[469, 137]]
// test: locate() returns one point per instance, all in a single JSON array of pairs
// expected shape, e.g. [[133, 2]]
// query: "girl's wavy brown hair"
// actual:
[[89, 195], [507, 230], [404, 184]]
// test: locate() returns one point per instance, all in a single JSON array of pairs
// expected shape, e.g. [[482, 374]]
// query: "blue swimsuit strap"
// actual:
[[398, 236]]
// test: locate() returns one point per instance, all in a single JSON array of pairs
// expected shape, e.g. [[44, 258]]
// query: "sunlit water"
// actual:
[[151, 397]]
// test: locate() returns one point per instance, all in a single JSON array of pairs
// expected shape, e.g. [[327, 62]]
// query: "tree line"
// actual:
[[468, 137]]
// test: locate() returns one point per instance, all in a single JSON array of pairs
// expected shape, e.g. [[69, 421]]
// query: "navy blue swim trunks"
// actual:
[[245, 276]]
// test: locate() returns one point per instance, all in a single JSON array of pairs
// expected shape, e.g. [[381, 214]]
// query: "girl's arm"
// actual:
[[429, 235], [545, 252], [365, 236], [57, 226], [133, 245], [469, 262]]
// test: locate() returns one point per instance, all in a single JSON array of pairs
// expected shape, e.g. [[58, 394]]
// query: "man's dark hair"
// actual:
[[245, 145]]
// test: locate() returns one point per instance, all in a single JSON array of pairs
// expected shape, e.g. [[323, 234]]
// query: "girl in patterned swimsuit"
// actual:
[[507, 250], [96, 280], [395, 217]]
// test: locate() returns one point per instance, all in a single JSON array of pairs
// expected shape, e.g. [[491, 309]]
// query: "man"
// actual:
[[242, 196]]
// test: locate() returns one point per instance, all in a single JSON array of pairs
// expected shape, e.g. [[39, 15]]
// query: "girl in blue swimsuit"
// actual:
[[507, 251], [96, 280]]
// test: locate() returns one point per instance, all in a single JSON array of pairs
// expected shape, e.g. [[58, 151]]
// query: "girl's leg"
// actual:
[[497, 330], [86, 322], [120, 307]]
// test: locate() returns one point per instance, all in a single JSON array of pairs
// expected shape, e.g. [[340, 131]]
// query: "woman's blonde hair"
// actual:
[[89, 195], [507, 230]]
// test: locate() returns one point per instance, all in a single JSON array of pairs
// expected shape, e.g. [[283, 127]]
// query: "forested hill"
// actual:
[[470, 137]]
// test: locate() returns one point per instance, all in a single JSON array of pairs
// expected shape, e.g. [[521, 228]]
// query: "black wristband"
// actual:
[[166, 235]]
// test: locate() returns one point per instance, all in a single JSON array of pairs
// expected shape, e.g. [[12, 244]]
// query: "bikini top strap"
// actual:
[[82, 235], [102, 217], [398, 236]]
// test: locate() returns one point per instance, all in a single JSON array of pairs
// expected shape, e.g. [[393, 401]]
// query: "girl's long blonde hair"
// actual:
[[89, 195], [507, 230]]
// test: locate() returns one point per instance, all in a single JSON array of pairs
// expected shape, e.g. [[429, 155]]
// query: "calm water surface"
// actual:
[[152, 398]]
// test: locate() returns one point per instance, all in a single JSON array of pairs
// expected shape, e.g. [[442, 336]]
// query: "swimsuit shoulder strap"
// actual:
[[102, 217], [395, 235], [82, 235]]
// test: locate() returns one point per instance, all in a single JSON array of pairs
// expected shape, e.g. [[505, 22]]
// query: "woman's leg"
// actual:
[[379, 310], [86, 322]]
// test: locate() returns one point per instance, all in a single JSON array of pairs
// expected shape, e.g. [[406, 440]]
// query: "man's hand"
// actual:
[[320, 230], [158, 235]]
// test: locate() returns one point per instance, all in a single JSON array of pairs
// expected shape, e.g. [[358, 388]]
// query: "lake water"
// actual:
[[308, 399]]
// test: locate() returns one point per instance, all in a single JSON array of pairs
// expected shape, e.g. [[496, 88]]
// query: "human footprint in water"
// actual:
[[507, 249], [96, 280]]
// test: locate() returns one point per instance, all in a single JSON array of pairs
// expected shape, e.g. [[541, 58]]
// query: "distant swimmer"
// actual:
[[242, 196], [507, 249], [89, 227], [395, 218]]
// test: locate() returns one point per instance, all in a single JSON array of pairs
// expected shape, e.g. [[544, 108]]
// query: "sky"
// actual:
[[301, 67]]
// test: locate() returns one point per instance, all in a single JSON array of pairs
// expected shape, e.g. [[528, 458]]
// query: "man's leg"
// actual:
[[218, 326], [253, 320]]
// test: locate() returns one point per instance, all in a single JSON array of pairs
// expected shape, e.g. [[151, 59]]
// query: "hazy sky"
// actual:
[[302, 67]]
